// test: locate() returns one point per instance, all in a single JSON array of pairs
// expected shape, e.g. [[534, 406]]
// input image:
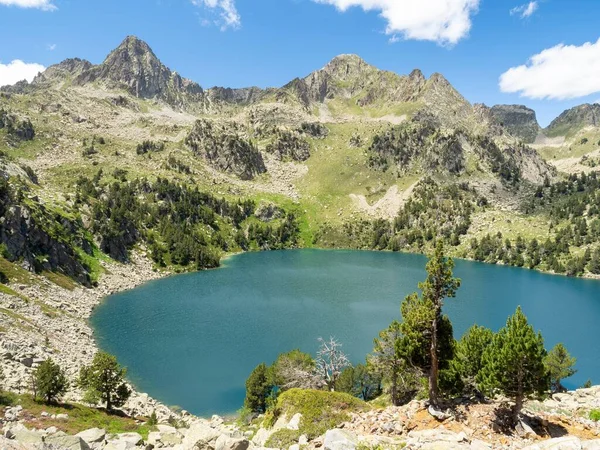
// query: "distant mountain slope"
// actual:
[[574, 119], [518, 120]]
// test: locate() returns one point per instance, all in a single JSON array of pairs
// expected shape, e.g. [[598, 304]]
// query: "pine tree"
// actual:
[[258, 389], [50, 381], [470, 349], [594, 264], [514, 362], [104, 380], [387, 360], [559, 364], [440, 284]]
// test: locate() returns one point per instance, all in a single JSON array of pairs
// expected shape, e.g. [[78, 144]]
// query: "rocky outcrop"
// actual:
[[518, 120], [574, 119], [134, 66], [289, 145], [242, 96], [225, 150], [66, 70]]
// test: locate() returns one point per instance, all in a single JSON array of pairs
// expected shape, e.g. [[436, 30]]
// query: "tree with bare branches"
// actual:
[[330, 362]]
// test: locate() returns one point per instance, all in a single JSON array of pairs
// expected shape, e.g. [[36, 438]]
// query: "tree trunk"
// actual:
[[108, 403], [518, 407], [433, 372]]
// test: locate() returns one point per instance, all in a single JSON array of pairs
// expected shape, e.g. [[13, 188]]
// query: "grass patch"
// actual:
[[80, 417], [14, 272], [60, 279], [283, 439], [321, 410]]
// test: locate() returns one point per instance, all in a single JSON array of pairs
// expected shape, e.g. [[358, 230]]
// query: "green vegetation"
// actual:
[[50, 381], [259, 387], [595, 415], [104, 380], [560, 365], [514, 362], [80, 417], [321, 410]]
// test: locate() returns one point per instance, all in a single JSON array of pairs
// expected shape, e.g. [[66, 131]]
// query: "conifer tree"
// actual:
[[258, 389], [513, 363], [50, 381], [470, 349], [104, 380], [439, 285], [560, 365]]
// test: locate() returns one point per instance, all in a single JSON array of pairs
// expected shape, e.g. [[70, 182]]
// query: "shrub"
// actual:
[[283, 438], [595, 415], [321, 410]]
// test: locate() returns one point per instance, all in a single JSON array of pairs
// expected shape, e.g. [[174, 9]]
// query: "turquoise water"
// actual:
[[191, 340]]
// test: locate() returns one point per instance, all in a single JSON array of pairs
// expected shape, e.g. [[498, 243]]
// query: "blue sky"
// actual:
[[239, 43]]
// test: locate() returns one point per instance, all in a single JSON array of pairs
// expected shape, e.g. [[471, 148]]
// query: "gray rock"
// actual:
[[119, 445], [166, 428], [294, 423], [92, 435], [26, 437], [62, 416], [65, 442], [262, 436], [563, 443], [225, 442], [134, 438], [27, 362], [339, 440], [7, 444], [201, 436], [294, 447]]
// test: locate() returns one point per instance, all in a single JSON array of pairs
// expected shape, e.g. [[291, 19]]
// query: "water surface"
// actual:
[[191, 340]]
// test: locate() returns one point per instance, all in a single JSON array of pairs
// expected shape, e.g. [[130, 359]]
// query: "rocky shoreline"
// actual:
[[46, 320]]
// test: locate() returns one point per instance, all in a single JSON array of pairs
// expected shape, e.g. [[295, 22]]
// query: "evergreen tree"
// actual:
[[294, 369], [440, 284], [470, 349], [104, 380], [514, 362], [50, 381], [259, 387], [594, 264], [559, 364], [360, 382], [387, 360]]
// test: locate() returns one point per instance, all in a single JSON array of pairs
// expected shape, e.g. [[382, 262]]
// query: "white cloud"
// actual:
[[560, 72], [51, 47], [18, 71], [229, 16], [45, 5], [525, 10], [441, 21]]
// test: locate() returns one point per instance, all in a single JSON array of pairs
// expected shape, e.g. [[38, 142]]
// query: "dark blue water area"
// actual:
[[191, 340]]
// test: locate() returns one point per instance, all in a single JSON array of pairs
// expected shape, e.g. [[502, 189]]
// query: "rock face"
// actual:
[[134, 65], [65, 70], [339, 440], [519, 120], [574, 119], [225, 150]]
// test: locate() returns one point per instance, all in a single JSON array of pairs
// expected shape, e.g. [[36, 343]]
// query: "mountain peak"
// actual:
[[134, 65], [345, 66]]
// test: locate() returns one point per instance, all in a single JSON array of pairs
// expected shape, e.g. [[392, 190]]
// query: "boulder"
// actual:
[[225, 442], [119, 445], [166, 428], [563, 443], [200, 436], [66, 442], [294, 423], [92, 435], [134, 438], [154, 438], [7, 444], [294, 447], [26, 437], [590, 445], [262, 436], [339, 440]]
